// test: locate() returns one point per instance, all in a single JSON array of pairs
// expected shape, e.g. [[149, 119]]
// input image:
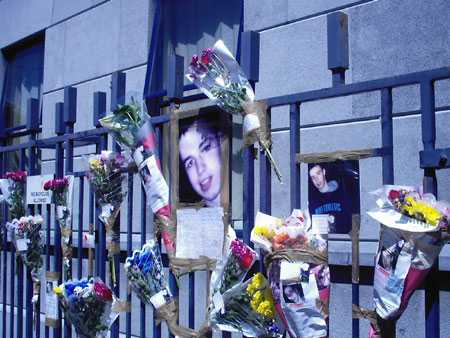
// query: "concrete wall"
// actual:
[[85, 41]]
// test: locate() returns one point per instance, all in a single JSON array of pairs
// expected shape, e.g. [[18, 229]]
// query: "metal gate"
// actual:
[[16, 293]]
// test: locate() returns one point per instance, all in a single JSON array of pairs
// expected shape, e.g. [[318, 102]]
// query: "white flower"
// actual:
[[23, 219], [38, 219]]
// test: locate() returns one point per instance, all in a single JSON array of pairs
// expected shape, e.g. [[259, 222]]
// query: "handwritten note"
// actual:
[[200, 232], [36, 194]]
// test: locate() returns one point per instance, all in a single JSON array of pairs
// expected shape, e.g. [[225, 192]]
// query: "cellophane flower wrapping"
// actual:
[[232, 269], [27, 238], [410, 242], [133, 130], [89, 306], [106, 175], [217, 74], [145, 272], [247, 308], [13, 192], [299, 275], [62, 195]]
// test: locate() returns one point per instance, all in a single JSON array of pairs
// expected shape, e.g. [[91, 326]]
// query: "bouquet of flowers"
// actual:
[[62, 195], [89, 305], [217, 74], [239, 259], [27, 238], [298, 271], [145, 273], [247, 308], [406, 208], [13, 191], [132, 129], [105, 175], [410, 242]]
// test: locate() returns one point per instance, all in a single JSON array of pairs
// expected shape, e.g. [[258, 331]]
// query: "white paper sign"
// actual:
[[35, 190], [393, 219], [290, 271], [320, 224], [200, 233], [51, 300]]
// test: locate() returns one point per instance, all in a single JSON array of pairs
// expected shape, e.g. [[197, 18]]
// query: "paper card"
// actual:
[[393, 219], [159, 299], [35, 193], [320, 224], [51, 301], [218, 302], [200, 232], [290, 271], [310, 290], [88, 240], [21, 244]]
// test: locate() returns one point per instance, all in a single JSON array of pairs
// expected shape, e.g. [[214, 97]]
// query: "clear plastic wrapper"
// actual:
[[407, 208], [409, 244], [13, 192], [27, 238], [218, 75], [144, 270], [89, 305], [247, 308], [62, 195], [132, 129], [232, 269], [298, 271]]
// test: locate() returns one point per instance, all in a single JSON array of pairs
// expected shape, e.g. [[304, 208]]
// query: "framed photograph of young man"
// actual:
[[333, 189]]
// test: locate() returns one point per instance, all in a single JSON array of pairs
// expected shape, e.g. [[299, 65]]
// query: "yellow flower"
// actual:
[[266, 308], [264, 231], [95, 164], [58, 290], [256, 300]]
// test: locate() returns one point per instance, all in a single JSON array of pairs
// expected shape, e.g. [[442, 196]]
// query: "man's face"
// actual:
[[317, 174]]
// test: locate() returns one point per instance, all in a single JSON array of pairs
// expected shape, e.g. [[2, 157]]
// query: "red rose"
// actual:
[[48, 185], [246, 261], [206, 56], [102, 291], [394, 194]]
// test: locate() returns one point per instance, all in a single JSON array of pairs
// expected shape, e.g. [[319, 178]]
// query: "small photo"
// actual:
[[203, 159], [333, 189], [293, 294]]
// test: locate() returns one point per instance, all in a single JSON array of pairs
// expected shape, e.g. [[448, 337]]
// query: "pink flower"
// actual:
[[394, 194], [102, 291], [48, 185], [206, 56]]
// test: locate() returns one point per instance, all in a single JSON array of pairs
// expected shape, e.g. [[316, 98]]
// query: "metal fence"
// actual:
[[16, 280]]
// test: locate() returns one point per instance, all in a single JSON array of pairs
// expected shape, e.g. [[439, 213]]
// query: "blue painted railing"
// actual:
[[66, 140]]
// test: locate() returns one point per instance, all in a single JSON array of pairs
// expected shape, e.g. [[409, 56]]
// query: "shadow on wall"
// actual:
[[192, 25]]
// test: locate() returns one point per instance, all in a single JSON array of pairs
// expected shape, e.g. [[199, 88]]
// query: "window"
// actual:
[[23, 80]]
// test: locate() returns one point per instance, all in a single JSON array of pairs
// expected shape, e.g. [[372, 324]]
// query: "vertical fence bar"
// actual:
[[427, 100], [129, 244], [99, 112], [59, 171], [143, 235], [3, 157], [20, 276], [48, 252], [388, 327], [249, 60], [70, 111], [118, 82], [294, 134], [33, 127], [80, 228]]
